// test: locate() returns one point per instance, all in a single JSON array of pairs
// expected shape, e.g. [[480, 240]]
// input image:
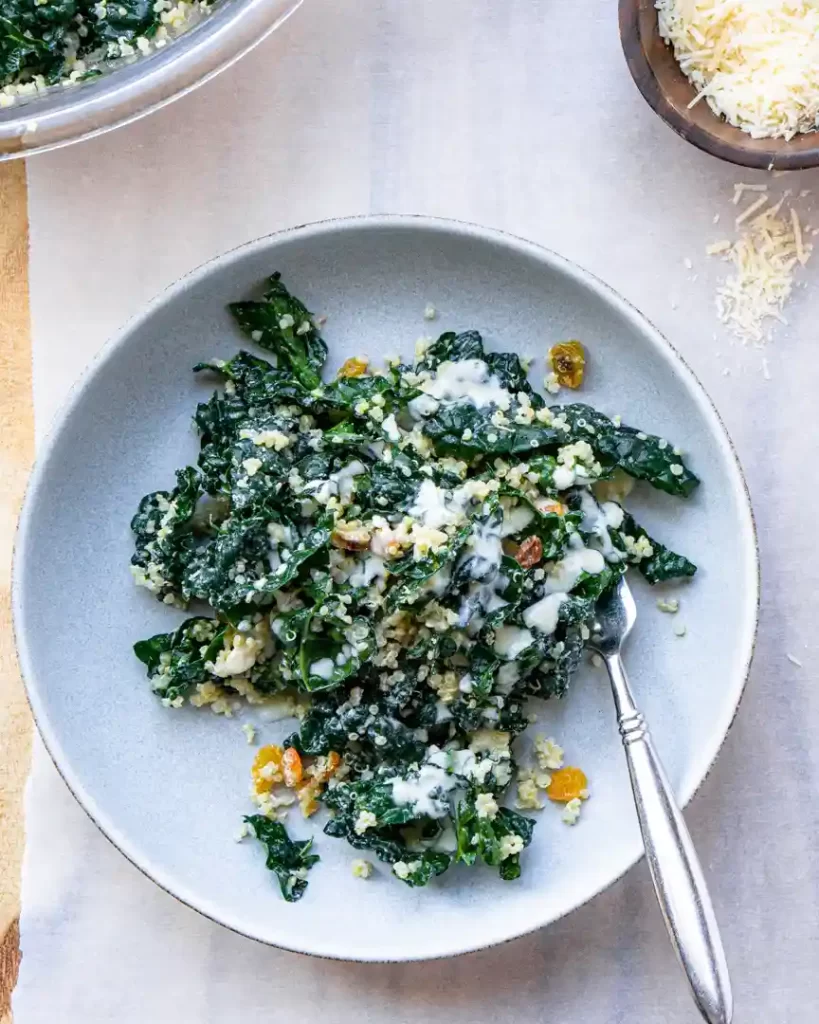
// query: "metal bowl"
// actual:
[[665, 88], [130, 90]]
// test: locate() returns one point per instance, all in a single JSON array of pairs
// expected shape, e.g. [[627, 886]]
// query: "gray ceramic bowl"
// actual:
[[169, 788], [128, 91]]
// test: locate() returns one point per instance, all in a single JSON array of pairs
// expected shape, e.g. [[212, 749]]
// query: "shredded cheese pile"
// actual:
[[770, 245], [756, 62]]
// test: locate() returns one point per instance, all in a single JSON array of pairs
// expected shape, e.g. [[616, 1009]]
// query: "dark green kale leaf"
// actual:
[[33, 37], [643, 456], [268, 479], [260, 385], [165, 545], [345, 393], [663, 564], [309, 551], [340, 650], [451, 347], [387, 839], [186, 652], [482, 837], [381, 735], [223, 569], [414, 573], [391, 486], [125, 20], [282, 324], [218, 421], [552, 675], [446, 431], [506, 366], [289, 858], [38, 39]]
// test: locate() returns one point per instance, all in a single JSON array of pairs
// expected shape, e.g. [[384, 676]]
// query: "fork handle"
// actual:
[[672, 860]]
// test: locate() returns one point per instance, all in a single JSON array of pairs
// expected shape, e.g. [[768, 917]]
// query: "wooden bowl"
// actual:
[[667, 90]]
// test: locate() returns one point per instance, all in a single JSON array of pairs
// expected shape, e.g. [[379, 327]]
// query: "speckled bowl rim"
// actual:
[[462, 229]]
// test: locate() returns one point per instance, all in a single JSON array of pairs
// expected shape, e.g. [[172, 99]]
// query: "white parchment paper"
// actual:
[[521, 115]]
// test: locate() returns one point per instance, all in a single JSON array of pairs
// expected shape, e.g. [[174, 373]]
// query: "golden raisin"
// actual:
[[529, 553], [267, 768], [291, 767], [355, 367], [567, 784], [568, 360]]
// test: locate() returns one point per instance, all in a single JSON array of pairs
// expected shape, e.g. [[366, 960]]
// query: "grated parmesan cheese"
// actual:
[[769, 247], [755, 62]]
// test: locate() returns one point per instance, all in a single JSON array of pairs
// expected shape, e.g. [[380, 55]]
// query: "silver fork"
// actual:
[[672, 860]]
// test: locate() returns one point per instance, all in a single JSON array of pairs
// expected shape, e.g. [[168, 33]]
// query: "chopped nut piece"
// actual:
[[351, 537]]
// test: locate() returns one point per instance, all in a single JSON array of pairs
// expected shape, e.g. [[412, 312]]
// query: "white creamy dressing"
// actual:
[[422, 406], [485, 552], [468, 380], [543, 615], [597, 521], [390, 428], [570, 568], [442, 712], [507, 676], [367, 570], [341, 483], [511, 641], [516, 519], [344, 478], [446, 842], [427, 792], [433, 508], [323, 668], [438, 582], [563, 478]]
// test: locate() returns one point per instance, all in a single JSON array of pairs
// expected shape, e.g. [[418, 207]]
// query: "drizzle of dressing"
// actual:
[[597, 521], [467, 380], [341, 483], [438, 582], [323, 668], [390, 428], [516, 519], [426, 793], [432, 508], [367, 570], [542, 616], [570, 568], [510, 641]]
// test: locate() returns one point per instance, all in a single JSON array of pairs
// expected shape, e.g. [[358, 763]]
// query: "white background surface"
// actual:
[[520, 115]]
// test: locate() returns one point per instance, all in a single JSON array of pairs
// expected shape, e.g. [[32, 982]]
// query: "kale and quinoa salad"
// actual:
[[406, 556], [50, 42]]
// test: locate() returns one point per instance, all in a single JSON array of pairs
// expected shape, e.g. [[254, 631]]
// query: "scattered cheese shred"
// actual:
[[756, 62], [763, 259]]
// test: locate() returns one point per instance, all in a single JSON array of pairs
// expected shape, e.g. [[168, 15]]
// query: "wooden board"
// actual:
[[16, 454]]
